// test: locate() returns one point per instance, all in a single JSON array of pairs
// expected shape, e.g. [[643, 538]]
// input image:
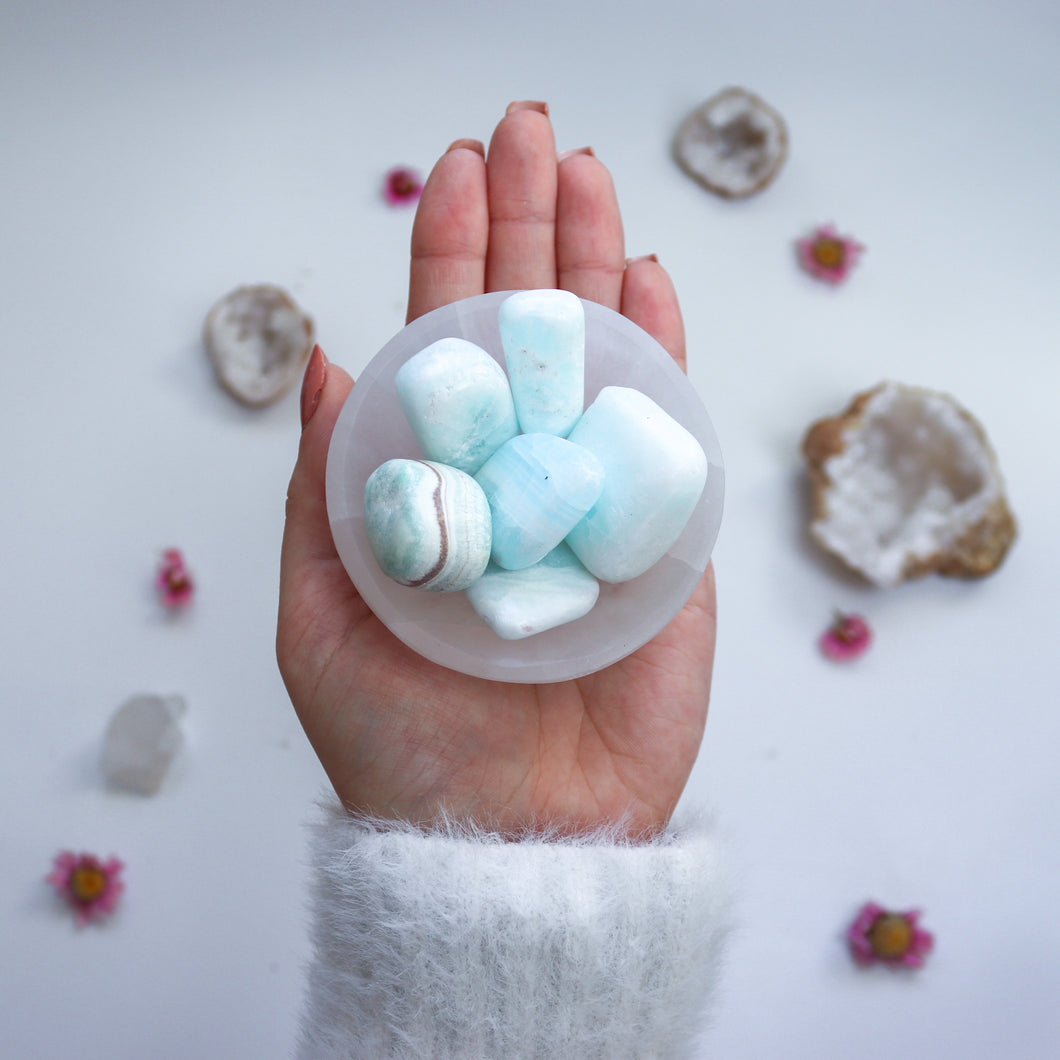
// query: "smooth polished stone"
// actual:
[[543, 336], [517, 604], [142, 738], [538, 487], [428, 524], [654, 474], [458, 403]]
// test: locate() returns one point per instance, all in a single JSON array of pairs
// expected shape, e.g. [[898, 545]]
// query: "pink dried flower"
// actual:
[[846, 638], [173, 580], [90, 886], [828, 255], [402, 186], [895, 939]]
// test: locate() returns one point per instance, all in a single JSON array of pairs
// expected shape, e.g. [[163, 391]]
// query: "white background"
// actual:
[[155, 157]]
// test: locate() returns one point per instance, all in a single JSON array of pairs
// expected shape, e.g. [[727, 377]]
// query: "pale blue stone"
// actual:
[[538, 487], [654, 474], [517, 604], [458, 403], [543, 336], [428, 524]]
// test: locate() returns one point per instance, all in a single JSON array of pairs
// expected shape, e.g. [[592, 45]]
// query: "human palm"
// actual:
[[400, 737]]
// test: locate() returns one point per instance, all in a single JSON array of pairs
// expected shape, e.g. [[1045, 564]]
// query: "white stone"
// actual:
[[654, 474], [518, 604], [141, 740]]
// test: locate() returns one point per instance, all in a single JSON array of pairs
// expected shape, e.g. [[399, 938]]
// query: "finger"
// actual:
[[521, 176], [650, 301], [590, 252], [450, 232]]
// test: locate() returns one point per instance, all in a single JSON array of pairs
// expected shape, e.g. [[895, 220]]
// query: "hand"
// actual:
[[400, 737]]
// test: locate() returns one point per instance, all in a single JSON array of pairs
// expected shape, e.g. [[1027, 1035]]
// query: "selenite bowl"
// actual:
[[443, 627]]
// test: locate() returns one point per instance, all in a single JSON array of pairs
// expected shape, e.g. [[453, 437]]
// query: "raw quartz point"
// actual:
[[543, 337], [654, 474], [538, 487], [141, 740], [458, 403], [428, 524], [552, 592], [734, 144], [258, 341], [905, 482]]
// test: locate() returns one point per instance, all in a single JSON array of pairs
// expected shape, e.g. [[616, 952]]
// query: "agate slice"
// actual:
[[428, 525], [905, 483], [258, 341], [734, 144]]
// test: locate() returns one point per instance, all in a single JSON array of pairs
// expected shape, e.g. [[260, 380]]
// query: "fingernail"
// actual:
[[577, 151], [527, 104], [643, 257], [472, 145], [316, 375]]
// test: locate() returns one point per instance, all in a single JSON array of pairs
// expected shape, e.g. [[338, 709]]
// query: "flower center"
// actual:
[[890, 936], [828, 252], [87, 883], [402, 184]]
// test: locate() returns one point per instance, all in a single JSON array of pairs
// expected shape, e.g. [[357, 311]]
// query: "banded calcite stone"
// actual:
[[552, 592], [538, 487], [458, 403], [654, 474], [428, 524], [543, 337]]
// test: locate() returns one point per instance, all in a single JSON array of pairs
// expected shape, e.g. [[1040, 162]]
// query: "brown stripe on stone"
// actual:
[[443, 545]]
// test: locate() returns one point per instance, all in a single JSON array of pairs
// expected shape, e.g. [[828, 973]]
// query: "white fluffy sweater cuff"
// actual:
[[456, 944]]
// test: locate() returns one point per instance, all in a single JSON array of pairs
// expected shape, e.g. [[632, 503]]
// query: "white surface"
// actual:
[[155, 157]]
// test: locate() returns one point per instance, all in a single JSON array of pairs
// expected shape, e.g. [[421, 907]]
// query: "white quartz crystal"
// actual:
[[458, 403], [517, 604], [654, 474], [142, 738]]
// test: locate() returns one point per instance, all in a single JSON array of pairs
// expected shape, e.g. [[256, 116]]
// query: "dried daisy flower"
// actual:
[[828, 255], [90, 887], [846, 638], [904, 483], [878, 936], [402, 186], [173, 581]]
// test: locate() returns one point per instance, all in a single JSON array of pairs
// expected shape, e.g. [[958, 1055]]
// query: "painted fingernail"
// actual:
[[577, 151], [316, 375], [644, 257], [472, 145], [527, 104]]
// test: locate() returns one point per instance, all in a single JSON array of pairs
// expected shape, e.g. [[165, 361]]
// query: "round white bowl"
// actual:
[[443, 627]]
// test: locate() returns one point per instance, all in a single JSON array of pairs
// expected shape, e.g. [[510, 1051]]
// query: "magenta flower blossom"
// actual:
[[846, 638], [402, 186], [895, 939], [173, 580], [828, 255], [91, 887]]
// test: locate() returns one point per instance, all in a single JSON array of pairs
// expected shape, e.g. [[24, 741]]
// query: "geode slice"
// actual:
[[258, 341], [905, 483], [734, 144]]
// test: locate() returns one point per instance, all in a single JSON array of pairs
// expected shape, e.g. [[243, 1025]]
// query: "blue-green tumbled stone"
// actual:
[[517, 604], [428, 524], [538, 487], [458, 403], [543, 336]]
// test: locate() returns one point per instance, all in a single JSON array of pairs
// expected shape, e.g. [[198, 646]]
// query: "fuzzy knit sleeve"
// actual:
[[457, 945]]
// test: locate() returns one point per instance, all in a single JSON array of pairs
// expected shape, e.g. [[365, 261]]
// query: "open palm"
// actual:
[[400, 737]]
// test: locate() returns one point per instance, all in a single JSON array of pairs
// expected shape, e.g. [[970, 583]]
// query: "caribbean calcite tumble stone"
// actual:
[[552, 592], [458, 403], [538, 487], [543, 337], [654, 474], [428, 524]]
